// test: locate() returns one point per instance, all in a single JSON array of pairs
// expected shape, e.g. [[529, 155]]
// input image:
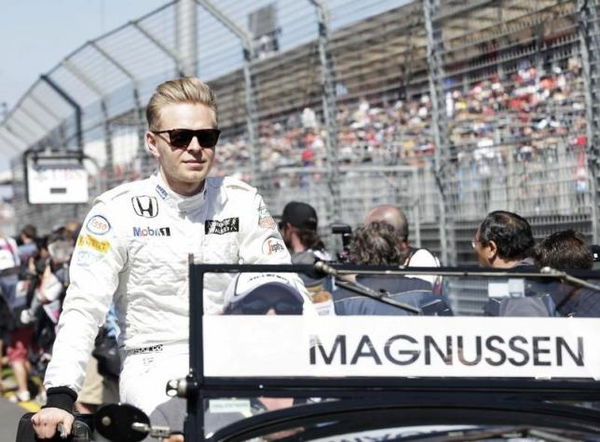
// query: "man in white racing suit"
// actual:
[[133, 248]]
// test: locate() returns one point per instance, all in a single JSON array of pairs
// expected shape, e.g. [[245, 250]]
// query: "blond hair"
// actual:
[[181, 90]]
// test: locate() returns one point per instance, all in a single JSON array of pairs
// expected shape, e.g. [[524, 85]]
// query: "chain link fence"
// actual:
[[445, 108]]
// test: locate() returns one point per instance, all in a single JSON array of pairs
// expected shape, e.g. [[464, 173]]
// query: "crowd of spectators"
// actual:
[[517, 137], [523, 115], [33, 281]]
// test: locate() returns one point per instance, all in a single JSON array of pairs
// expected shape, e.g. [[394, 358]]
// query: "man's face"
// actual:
[[481, 251], [285, 229], [184, 169]]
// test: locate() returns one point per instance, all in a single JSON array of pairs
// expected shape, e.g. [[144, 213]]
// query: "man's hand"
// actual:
[[45, 422], [176, 437]]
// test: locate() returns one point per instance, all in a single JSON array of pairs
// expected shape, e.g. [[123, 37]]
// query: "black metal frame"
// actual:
[[461, 390]]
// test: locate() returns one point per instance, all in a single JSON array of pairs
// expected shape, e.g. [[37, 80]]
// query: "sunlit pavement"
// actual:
[[10, 413], [9, 419]]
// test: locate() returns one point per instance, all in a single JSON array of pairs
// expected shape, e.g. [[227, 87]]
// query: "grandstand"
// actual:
[[448, 108]]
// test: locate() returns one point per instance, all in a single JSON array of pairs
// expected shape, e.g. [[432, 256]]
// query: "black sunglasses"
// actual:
[[181, 138]]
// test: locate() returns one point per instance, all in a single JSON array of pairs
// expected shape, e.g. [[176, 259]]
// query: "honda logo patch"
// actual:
[[146, 206], [220, 227]]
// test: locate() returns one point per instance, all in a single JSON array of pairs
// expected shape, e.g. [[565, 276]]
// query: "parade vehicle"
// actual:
[[504, 356]]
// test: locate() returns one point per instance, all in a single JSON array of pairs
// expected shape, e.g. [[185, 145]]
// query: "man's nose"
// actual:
[[194, 145]]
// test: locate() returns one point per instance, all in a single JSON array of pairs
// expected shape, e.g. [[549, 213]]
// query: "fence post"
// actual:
[[110, 167], [329, 110], [186, 37], [439, 123], [72, 103]]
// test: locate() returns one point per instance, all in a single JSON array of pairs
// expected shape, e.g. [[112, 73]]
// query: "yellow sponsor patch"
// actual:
[[93, 243]]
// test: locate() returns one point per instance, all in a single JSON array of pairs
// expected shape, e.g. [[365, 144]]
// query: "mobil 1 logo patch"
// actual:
[[144, 205], [220, 227]]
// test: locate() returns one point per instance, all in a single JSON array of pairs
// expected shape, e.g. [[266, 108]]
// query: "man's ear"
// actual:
[[492, 252], [151, 144]]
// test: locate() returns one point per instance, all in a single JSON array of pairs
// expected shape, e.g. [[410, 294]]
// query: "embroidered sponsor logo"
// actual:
[[273, 246], [144, 350], [264, 218], [151, 231], [267, 223], [93, 243], [98, 225], [161, 191], [85, 258], [220, 227], [144, 205]]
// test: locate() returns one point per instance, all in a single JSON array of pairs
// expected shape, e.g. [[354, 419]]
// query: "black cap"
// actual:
[[300, 215]]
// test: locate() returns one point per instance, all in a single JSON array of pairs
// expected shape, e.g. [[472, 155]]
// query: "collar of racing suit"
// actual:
[[180, 202]]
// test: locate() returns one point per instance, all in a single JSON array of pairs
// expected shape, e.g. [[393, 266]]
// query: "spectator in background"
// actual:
[[53, 280], [9, 278], [567, 250], [503, 240], [377, 244], [27, 243], [298, 226], [411, 256], [9, 268], [564, 250]]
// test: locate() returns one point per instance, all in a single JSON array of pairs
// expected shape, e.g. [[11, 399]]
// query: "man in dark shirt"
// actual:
[[567, 250]]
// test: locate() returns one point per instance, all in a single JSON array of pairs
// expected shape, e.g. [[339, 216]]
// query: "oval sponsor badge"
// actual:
[[98, 225], [272, 246]]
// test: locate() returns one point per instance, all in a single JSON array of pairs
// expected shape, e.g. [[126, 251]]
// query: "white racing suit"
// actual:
[[133, 248]]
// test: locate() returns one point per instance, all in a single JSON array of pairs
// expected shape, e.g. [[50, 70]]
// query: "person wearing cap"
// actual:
[[133, 249], [298, 226]]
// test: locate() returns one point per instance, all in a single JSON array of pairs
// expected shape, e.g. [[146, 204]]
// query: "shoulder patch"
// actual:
[[273, 246], [98, 225]]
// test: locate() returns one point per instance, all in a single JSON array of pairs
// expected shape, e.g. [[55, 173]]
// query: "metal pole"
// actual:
[[194, 425], [328, 95], [186, 36], [73, 103], [416, 209], [438, 125], [107, 128]]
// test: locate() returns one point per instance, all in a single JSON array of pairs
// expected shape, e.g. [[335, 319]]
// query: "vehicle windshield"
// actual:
[[393, 354]]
